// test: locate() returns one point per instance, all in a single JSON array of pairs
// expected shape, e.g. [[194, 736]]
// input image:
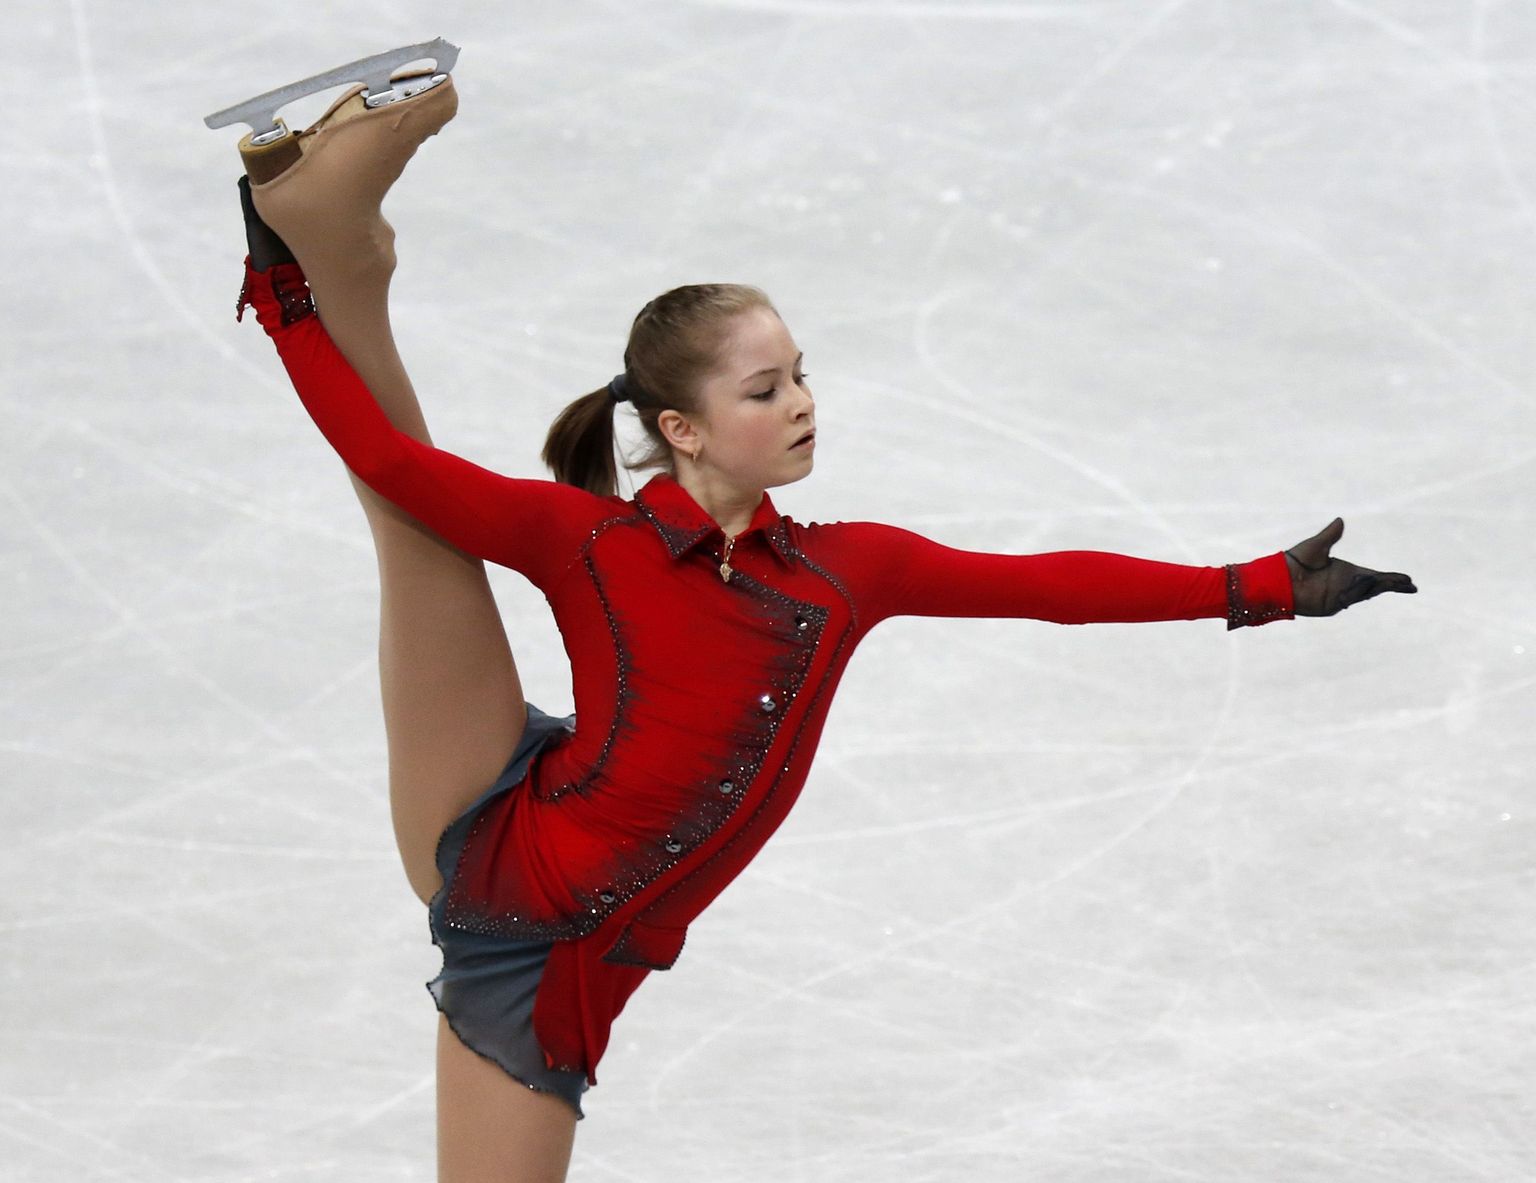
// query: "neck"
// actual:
[[730, 505]]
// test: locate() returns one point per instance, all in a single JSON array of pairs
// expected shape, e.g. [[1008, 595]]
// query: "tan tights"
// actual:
[[453, 705]]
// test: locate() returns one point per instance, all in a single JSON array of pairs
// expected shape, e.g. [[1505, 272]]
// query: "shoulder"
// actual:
[[579, 507], [837, 533], [845, 544]]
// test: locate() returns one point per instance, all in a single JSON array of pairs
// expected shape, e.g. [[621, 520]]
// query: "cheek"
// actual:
[[752, 432]]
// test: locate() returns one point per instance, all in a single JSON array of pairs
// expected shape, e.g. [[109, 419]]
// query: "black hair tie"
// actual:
[[618, 389]]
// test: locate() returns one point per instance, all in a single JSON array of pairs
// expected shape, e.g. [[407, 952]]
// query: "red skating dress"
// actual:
[[699, 700]]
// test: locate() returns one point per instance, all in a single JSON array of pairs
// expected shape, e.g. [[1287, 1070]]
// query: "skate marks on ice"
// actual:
[[906, 10], [1080, 904], [100, 161]]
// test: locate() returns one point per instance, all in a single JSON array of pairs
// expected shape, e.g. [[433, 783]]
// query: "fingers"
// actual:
[[1361, 587], [1369, 584]]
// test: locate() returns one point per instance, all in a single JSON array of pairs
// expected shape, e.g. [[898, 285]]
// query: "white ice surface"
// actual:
[[1181, 279]]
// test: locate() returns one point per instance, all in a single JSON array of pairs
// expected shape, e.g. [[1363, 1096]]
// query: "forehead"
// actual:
[[757, 340]]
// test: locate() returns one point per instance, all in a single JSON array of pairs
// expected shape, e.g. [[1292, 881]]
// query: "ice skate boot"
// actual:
[[320, 190], [270, 148]]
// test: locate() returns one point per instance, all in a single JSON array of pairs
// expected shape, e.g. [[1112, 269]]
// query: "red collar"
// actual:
[[683, 524]]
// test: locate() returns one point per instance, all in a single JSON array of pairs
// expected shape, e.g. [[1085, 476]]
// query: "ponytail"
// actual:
[[579, 448], [674, 343]]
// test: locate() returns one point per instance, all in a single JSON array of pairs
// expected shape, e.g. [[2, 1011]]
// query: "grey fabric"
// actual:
[[488, 983]]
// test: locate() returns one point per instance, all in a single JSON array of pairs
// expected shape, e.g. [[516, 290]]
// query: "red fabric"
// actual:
[[1258, 593], [699, 702]]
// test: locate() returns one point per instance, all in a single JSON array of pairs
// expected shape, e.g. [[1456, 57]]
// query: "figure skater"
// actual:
[[562, 860]]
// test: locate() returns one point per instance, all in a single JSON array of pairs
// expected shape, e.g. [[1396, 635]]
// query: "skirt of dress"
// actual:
[[488, 983]]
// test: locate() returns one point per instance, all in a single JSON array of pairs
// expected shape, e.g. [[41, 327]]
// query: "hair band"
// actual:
[[618, 389]]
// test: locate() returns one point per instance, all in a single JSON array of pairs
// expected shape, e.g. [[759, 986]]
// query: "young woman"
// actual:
[[563, 859]]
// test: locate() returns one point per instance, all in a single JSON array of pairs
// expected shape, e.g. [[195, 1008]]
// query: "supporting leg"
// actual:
[[490, 1128]]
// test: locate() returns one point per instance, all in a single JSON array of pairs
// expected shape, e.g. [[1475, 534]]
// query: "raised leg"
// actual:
[[453, 704], [490, 1128]]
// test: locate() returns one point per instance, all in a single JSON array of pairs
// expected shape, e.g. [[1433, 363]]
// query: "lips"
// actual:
[[803, 440]]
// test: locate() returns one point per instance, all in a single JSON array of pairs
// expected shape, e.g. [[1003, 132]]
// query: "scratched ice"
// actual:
[[1181, 279]]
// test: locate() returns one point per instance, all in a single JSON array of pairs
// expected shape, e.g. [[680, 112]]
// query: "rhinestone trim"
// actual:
[[817, 617], [797, 626], [1241, 613], [676, 539], [624, 665]]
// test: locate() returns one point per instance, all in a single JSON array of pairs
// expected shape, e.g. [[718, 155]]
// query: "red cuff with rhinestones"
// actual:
[[1259, 592], [280, 296]]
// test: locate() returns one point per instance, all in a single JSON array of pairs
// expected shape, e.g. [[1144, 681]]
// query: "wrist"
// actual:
[[1260, 592], [279, 295]]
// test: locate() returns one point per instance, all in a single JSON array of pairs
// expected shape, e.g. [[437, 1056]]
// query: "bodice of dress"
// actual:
[[698, 700]]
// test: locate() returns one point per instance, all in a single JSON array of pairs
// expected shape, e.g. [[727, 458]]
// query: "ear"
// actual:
[[677, 430]]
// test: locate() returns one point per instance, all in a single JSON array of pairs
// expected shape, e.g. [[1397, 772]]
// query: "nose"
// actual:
[[805, 404]]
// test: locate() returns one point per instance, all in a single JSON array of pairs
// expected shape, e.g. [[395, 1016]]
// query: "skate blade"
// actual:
[[373, 72]]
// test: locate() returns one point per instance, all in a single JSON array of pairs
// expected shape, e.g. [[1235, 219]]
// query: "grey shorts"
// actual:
[[488, 983]]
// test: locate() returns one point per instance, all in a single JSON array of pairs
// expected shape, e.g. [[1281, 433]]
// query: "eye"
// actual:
[[764, 396]]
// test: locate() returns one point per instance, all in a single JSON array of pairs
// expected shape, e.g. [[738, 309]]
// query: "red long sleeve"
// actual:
[[535, 527], [894, 572]]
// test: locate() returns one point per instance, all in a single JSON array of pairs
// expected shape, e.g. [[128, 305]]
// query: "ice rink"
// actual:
[[1179, 279]]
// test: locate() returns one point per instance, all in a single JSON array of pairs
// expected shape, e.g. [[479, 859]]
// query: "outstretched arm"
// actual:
[[894, 572], [533, 526]]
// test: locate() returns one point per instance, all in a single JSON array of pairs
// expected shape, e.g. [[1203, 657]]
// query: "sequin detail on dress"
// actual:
[[796, 627], [1243, 612], [657, 826], [621, 696], [677, 538]]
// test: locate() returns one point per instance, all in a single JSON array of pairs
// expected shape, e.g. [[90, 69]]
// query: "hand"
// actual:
[[1323, 585]]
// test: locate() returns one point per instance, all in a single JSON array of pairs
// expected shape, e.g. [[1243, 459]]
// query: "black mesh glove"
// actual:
[[266, 248], [1324, 586]]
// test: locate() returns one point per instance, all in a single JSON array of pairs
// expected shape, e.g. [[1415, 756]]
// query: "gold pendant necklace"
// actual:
[[725, 560]]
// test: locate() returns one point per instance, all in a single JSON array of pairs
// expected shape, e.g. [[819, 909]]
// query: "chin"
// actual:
[[789, 480]]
